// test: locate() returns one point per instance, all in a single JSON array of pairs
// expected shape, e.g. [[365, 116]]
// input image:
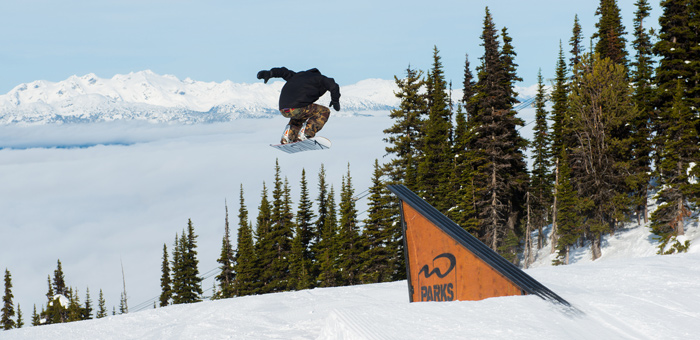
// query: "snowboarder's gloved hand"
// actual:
[[335, 105], [264, 75]]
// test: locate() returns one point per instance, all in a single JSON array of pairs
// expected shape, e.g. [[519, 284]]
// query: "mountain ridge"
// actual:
[[147, 96]]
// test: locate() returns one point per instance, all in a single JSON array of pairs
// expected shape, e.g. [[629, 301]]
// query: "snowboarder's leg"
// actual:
[[317, 118]]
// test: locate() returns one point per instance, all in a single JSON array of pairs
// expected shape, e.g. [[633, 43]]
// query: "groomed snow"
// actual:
[[649, 298]]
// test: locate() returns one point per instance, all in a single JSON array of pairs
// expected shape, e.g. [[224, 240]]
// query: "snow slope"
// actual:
[[650, 298], [151, 97]]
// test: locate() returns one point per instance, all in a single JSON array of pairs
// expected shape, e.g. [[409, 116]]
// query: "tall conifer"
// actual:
[[329, 268], [405, 136], [8, 307], [377, 260], [435, 166], [350, 243], [542, 178], [244, 265], [166, 290], [611, 33], [226, 260]]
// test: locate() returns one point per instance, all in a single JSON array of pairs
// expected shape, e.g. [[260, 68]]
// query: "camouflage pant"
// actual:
[[314, 115]]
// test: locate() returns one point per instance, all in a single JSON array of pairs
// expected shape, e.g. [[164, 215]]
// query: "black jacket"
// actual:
[[304, 88]]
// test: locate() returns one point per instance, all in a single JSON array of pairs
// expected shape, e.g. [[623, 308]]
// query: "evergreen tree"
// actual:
[[101, 310], [20, 318], [463, 212], [186, 281], [541, 178], [678, 52], [59, 281], [302, 258], [405, 136], [329, 269], [500, 171], [601, 106], [576, 43], [377, 260], [56, 311], [264, 248], [641, 74], [569, 230], [319, 226], [611, 33], [468, 90], [226, 260], [244, 282], [166, 290], [87, 310], [434, 168], [350, 243], [561, 122], [177, 270], [36, 319], [679, 153], [8, 307], [281, 234]]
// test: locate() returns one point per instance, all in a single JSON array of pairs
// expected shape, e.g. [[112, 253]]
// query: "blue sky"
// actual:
[[211, 40]]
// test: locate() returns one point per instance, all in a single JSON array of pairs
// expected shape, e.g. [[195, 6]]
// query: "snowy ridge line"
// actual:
[[151, 97], [147, 96]]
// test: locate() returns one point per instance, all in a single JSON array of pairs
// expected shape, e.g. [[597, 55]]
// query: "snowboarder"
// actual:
[[297, 101]]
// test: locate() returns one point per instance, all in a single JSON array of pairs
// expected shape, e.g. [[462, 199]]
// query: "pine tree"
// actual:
[[87, 310], [680, 151], [281, 235], [329, 269], [101, 310], [319, 226], [192, 282], [641, 78], [350, 243], [576, 43], [500, 172], [20, 318], [541, 178], [677, 95], [166, 290], [561, 122], [55, 311], [226, 260], [36, 319], [468, 90], [8, 307], [245, 280], [186, 281], [601, 106], [377, 261], [405, 136], [611, 33], [463, 212], [264, 248], [569, 226], [302, 258], [434, 168]]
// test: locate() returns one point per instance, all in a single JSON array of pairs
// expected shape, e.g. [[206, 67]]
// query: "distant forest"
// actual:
[[616, 127]]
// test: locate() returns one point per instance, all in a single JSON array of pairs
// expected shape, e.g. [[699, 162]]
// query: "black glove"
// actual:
[[264, 75], [335, 105]]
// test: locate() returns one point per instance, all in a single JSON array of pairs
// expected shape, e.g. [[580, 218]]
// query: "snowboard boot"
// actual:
[[287, 135], [302, 132]]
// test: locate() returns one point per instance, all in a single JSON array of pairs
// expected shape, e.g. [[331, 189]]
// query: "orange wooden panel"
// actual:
[[441, 269]]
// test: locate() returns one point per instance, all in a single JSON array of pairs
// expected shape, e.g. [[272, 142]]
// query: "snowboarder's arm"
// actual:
[[276, 72], [334, 89]]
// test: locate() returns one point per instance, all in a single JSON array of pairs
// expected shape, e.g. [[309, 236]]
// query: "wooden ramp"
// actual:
[[446, 263]]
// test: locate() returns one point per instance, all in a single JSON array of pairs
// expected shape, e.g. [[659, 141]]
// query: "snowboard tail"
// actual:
[[315, 143]]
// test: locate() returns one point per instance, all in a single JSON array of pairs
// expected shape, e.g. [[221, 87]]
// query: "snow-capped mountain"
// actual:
[[148, 96]]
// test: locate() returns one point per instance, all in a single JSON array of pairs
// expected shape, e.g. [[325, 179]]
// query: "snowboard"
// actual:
[[314, 143]]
